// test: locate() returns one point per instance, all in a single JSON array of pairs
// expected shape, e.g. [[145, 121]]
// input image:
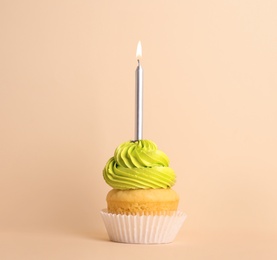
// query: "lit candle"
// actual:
[[139, 92]]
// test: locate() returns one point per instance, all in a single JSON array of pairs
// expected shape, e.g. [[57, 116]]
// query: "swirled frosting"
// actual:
[[139, 165]]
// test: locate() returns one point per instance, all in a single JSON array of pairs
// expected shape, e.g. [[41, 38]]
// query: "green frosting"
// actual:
[[139, 165]]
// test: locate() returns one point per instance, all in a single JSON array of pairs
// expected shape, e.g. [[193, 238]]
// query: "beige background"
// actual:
[[67, 100]]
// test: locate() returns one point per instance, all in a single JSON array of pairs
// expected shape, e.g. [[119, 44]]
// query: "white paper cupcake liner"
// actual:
[[146, 229]]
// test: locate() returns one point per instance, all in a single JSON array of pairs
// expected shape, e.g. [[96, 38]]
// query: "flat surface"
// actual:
[[192, 245]]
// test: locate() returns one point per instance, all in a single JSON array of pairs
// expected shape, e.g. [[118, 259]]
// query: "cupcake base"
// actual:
[[142, 201], [143, 229]]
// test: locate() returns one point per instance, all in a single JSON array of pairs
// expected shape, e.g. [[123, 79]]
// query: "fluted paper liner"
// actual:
[[145, 229]]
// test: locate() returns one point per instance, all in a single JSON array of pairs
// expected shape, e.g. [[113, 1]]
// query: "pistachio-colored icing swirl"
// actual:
[[139, 165]]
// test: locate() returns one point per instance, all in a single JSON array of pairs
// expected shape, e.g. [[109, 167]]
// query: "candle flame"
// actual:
[[139, 51]]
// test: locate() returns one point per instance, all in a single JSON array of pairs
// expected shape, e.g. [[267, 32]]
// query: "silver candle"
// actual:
[[139, 93]]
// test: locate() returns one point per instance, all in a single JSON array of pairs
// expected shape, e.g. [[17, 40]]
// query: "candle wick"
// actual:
[[138, 62]]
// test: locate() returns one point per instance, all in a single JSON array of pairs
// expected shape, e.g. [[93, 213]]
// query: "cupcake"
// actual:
[[141, 207]]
